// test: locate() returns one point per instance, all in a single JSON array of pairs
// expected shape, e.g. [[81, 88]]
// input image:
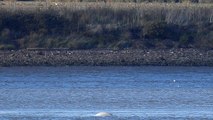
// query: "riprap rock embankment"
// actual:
[[172, 57]]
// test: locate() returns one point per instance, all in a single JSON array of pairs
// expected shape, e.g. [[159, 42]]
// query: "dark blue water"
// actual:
[[64, 93]]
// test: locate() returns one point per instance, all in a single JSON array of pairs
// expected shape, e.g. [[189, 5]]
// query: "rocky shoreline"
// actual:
[[169, 57]]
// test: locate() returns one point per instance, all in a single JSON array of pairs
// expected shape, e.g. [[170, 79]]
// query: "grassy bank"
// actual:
[[136, 1], [112, 25]]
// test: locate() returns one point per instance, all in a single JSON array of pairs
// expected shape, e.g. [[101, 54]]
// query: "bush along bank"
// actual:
[[108, 26]]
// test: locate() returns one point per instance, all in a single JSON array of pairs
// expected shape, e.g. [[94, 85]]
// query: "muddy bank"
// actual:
[[173, 57]]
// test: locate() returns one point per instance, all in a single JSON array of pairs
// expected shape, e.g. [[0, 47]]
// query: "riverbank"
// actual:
[[172, 57], [98, 25]]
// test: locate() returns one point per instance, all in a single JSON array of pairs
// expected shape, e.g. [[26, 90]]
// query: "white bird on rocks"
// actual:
[[103, 114]]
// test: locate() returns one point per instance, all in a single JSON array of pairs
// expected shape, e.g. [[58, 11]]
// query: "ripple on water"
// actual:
[[116, 115]]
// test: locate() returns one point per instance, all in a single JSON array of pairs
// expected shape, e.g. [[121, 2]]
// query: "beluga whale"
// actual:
[[103, 114]]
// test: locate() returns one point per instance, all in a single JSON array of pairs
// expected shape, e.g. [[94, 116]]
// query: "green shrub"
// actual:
[[7, 47]]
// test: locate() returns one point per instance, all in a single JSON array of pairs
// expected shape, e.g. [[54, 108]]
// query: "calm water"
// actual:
[[130, 93]]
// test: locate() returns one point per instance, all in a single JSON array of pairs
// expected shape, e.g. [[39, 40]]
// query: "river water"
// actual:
[[128, 93]]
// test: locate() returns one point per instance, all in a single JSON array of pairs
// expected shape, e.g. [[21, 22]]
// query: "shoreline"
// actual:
[[168, 57]]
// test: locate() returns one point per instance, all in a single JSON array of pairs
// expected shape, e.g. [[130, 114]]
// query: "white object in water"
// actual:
[[103, 114], [174, 80]]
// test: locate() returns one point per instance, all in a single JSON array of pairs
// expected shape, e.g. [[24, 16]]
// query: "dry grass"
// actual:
[[85, 25], [125, 1], [178, 13]]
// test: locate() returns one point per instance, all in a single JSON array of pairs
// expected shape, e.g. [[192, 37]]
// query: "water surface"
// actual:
[[62, 93]]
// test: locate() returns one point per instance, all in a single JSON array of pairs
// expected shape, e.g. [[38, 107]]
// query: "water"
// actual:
[[129, 93]]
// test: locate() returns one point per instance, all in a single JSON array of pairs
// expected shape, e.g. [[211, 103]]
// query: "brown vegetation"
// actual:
[[136, 1], [99, 25]]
